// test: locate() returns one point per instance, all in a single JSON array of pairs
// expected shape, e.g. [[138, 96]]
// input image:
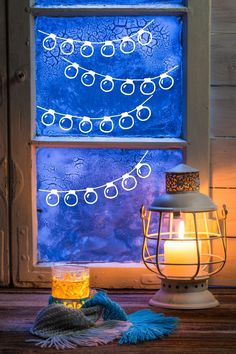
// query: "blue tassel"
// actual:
[[111, 309], [148, 325]]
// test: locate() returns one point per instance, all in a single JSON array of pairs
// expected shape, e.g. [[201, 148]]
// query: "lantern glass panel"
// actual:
[[183, 245]]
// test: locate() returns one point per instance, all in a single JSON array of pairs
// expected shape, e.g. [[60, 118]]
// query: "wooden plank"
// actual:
[[223, 16], [4, 237], [223, 59], [101, 10], [226, 277], [223, 111], [228, 197], [20, 69], [197, 96], [198, 342], [223, 155], [126, 143]]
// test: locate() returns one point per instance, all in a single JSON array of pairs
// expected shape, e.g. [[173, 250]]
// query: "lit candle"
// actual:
[[180, 252]]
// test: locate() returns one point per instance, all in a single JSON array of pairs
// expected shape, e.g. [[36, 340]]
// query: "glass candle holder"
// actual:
[[70, 284]]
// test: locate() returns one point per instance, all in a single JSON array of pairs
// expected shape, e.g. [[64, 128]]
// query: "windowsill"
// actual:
[[199, 331]]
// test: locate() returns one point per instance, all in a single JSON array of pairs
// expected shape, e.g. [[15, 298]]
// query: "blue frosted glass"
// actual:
[[70, 96], [118, 2], [110, 229]]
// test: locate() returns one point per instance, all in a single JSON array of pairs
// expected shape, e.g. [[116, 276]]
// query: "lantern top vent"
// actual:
[[182, 178], [182, 192]]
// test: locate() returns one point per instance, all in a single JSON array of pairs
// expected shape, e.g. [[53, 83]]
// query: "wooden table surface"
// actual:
[[210, 331]]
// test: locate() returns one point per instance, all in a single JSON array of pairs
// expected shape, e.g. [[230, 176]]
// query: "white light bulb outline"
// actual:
[[108, 43], [53, 192], [90, 72], [89, 44], [106, 119], [164, 76], [142, 105], [69, 117], [107, 78], [88, 120], [148, 81], [67, 41], [139, 108], [71, 192], [140, 33], [50, 36], [129, 82], [143, 164], [92, 43], [112, 79], [127, 39], [122, 178], [52, 112], [126, 176], [76, 67], [123, 115], [109, 185], [90, 190]]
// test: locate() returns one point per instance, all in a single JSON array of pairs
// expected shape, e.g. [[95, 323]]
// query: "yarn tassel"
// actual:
[[147, 325], [103, 333]]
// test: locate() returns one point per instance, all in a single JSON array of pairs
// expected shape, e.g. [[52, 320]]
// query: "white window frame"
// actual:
[[195, 142]]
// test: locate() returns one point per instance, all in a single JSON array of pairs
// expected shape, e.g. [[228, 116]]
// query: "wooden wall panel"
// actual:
[[223, 124], [223, 162], [223, 59], [227, 276], [223, 111], [223, 16], [227, 196]]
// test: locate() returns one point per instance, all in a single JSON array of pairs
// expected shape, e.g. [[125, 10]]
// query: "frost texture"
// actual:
[[55, 91], [110, 230]]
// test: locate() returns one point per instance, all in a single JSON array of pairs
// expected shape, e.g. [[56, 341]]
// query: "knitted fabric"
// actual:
[[111, 310], [99, 321]]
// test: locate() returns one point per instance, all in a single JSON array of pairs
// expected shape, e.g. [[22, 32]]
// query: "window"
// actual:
[[106, 99]]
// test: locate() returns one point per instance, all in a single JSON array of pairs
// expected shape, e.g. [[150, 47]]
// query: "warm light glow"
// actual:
[[181, 229], [182, 254]]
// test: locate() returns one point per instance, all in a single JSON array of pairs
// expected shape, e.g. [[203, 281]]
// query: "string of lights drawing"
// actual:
[[126, 120], [147, 87], [127, 44], [128, 183]]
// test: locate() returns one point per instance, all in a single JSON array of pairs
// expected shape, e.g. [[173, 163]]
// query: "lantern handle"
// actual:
[[224, 212], [143, 212], [224, 217]]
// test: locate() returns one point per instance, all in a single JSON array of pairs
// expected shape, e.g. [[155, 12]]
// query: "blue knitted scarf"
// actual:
[[99, 321]]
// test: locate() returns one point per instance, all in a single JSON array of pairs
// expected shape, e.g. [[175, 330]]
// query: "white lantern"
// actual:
[[183, 242]]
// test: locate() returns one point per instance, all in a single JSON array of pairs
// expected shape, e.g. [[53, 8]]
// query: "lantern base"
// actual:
[[184, 294]]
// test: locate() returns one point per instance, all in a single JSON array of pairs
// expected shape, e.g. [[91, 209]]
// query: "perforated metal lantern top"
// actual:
[[182, 192]]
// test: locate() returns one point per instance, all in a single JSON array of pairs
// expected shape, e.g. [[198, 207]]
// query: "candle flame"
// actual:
[[181, 229]]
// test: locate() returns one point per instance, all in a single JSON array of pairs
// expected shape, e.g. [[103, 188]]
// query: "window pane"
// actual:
[[104, 223], [113, 2], [74, 85]]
